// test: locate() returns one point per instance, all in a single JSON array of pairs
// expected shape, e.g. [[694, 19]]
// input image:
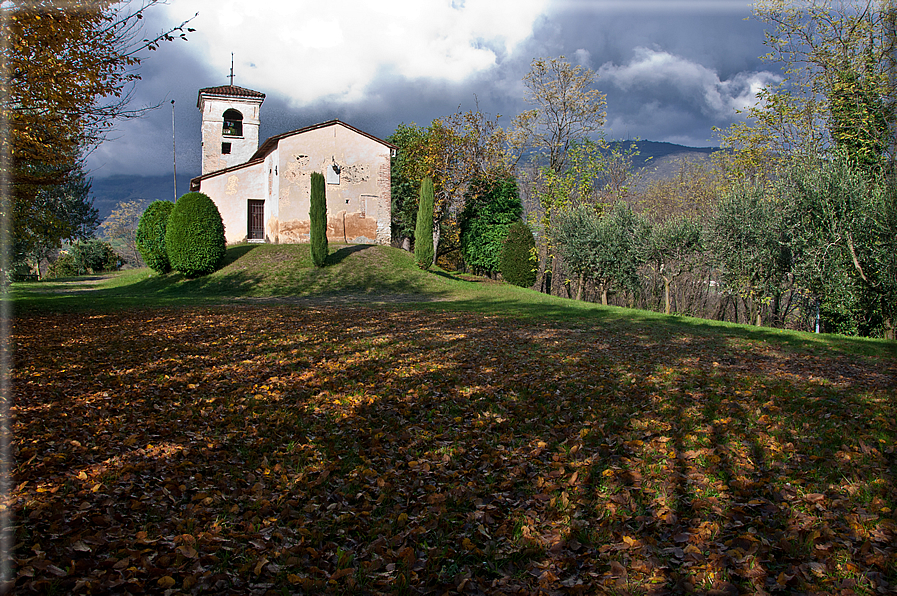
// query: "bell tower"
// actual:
[[230, 125]]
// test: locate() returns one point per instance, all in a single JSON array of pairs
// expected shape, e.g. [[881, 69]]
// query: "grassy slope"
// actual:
[[250, 271], [384, 275]]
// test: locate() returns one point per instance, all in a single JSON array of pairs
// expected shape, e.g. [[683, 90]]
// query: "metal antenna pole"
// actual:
[[174, 153], [231, 69]]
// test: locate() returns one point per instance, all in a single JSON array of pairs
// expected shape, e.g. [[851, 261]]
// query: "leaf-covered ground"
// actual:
[[288, 450]]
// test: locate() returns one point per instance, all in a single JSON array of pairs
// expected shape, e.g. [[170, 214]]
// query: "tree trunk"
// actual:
[[556, 277], [579, 288], [774, 316], [437, 229], [546, 274], [666, 295]]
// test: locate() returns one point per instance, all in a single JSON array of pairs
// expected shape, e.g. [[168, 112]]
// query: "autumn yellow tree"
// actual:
[[568, 112], [120, 229], [692, 191], [452, 151], [69, 71], [838, 87]]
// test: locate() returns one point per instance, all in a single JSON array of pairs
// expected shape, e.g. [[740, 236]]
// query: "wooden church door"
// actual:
[[256, 227]]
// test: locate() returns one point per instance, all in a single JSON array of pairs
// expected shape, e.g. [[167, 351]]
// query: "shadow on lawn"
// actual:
[[337, 256], [657, 327], [457, 446], [716, 480], [236, 252]]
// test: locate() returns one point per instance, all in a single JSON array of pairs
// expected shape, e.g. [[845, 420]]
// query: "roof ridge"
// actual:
[[231, 91], [221, 88], [269, 143]]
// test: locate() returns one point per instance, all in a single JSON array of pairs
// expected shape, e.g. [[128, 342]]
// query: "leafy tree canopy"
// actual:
[[567, 109], [69, 72], [490, 207], [839, 70], [60, 213]]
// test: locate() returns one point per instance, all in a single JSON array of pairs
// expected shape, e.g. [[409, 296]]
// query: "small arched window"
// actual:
[[233, 124]]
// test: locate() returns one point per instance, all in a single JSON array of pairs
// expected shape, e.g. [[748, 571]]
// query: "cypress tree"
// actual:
[[317, 215], [423, 232], [518, 256]]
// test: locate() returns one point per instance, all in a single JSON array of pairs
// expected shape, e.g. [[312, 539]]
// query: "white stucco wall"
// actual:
[[358, 207], [231, 192]]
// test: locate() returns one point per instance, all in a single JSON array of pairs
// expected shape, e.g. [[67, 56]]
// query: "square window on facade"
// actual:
[[332, 174], [225, 148]]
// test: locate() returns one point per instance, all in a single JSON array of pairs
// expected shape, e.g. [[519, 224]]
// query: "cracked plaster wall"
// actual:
[[358, 208]]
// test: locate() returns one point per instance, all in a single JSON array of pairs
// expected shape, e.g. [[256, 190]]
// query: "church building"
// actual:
[[263, 192]]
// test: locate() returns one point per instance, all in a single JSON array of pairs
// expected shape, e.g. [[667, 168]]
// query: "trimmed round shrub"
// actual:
[[518, 256], [194, 237], [150, 237]]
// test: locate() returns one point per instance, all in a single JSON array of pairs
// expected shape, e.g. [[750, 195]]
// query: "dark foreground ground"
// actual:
[[301, 449]]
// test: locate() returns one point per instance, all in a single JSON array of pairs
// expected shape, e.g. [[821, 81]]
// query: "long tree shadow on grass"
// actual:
[[404, 451], [747, 503], [285, 272], [338, 255], [658, 327]]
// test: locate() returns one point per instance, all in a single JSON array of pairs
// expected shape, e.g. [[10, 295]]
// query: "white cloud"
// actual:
[[320, 34], [582, 56], [673, 79], [307, 50]]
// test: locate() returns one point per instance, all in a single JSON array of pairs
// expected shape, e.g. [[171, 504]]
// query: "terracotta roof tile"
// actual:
[[231, 90]]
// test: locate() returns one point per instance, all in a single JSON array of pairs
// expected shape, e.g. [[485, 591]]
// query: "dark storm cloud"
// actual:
[[143, 146], [671, 70]]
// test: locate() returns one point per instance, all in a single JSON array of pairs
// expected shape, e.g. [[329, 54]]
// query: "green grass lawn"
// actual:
[[381, 275], [373, 428]]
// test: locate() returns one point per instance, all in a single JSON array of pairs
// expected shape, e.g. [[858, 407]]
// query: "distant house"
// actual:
[[263, 191]]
